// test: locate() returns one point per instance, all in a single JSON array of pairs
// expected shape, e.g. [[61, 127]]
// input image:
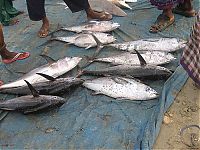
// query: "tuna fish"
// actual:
[[121, 88], [154, 44], [147, 71], [120, 3], [94, 26], [53, 68], [51, 87], [151, 57], [86, 40], [31, 103]]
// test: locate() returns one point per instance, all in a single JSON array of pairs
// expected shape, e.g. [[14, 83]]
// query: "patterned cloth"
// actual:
[[191, 55], [165, 4]]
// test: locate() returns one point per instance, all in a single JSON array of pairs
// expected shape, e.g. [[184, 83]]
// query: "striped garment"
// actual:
[[190, 59], [165, 4]]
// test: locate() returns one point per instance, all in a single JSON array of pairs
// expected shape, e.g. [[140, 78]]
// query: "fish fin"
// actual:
[[99, 45], [50, 78], [48, 58], [34, 92], [88, 47], [96, 93], [141, 59], [119, 80]]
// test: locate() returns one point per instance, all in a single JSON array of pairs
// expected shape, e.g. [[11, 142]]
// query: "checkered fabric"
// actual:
[[190, 59]]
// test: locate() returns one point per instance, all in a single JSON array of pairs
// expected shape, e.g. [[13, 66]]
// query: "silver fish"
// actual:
[[154, 44], [121, 88], [120, 3], [31, 103], [94, 26], [146, 71], [53, 68], [51, 87], [151, 57], [86, 40]]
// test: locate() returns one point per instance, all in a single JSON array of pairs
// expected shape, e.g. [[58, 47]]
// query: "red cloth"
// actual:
[[190, 59]]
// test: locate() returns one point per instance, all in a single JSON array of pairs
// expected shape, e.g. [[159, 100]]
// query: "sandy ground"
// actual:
[[182, 113]]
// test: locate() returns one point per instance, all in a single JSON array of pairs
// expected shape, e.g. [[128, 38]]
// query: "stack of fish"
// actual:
[[139, 59]]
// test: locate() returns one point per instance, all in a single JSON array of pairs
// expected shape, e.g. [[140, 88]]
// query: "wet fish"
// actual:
[[51, 87], [86, 40], [147, 71], [31, 103], [94, 26], [154, 44], [53, 68], [121, 88], [151, 57]]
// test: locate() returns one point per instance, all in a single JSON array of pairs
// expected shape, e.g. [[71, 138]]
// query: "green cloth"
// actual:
[[7, 11]]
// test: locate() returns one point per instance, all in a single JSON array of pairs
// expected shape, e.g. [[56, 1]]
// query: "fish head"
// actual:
[[151, 92], [56, 100]]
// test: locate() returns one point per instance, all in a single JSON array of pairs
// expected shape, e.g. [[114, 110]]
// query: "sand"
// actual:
[[183, 112]]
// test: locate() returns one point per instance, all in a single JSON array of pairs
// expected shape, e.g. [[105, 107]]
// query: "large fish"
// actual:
[[153, 44], [86, 40], [147, 71], [94, 26], [31, 103], [142, 70], [151, 57], [53, 68], [121, 88], [51, 87]]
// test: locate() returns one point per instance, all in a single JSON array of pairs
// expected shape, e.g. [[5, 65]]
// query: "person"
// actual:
[[36, 12], [190, 59], [7, 56], [164, 20], [8, 12]]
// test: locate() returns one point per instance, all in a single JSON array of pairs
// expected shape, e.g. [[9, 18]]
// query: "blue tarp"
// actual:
[[86, 121]]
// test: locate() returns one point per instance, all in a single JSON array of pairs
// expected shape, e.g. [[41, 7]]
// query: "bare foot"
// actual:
[[44, 30]]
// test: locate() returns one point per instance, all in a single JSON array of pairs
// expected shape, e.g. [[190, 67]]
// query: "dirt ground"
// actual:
[[180, 124]]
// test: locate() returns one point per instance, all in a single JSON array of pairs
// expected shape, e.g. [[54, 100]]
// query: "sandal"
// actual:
[[161, 23], [102, 16], [186, 13], [18, 56]]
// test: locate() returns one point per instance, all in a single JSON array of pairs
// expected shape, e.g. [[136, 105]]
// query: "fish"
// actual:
[[99, 5], [151, 44], [151, 57], [31, 103], [53, 68], [85, 40], [121, 88], [143, 70], [53, 86], [93, 26], [132, 71], [120, 3]]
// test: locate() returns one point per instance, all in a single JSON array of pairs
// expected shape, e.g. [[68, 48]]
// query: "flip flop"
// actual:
[[161, 24], [186, 13], [1, 83], [104, 16], [18, 56]]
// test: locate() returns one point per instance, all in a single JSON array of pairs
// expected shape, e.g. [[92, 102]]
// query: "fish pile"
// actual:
[[139, 59]]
